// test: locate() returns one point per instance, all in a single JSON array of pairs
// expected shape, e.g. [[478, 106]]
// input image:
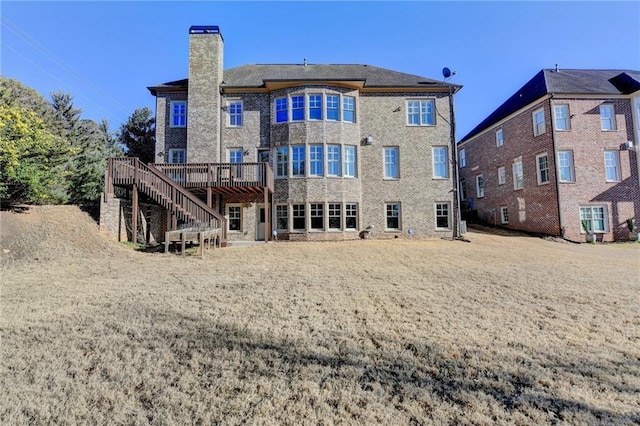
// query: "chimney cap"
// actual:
[[204, 29]]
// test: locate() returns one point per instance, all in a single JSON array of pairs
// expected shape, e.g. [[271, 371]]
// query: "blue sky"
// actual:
[[105, 54]]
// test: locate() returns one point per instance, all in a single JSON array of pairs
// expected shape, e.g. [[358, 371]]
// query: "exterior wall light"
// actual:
[[369, 140]]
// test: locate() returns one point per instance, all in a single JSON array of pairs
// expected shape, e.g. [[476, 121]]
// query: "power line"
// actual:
[[32, 42]]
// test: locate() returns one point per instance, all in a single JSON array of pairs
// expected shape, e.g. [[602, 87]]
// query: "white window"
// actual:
[[421, 112], [562, 118], [502, 175], [335, 216], [177, 155], [542, 168], [565, 166], [612, 166], [351, 215], [333, 107], [316, 211], [595, 219], [178, 114], [504, 215], [479, 186], [440, 163], [463, 158], [234, 110], [316, 162], [235, 156], [298, 217], [333, 160], [282, 110], [391, 163], [234, 217], [518, 175], [349, 109], [393, 216], [297, 160], [538, 122], [607, 117], [282, 161], [282, 217], [297, 108], [315, 107], [349, 161], [499, 137], [442, 215]]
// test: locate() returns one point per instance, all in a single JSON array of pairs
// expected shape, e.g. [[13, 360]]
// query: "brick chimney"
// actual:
[[204, 101]]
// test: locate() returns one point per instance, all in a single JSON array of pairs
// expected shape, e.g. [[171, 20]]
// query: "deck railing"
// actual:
[[219, 175], [164, 191]]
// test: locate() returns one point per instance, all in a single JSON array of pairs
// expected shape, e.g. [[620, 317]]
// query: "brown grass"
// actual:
[[501, 330]]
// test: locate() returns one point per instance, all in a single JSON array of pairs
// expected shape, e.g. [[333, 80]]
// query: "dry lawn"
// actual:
[[501, 330]]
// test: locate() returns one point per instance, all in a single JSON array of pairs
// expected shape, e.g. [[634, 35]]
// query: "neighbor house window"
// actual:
[[391, 163], [463, 158], [499, 137], [479, 186], [333, 160], [538, 122], [504, 215], [316, 212], [612, 166], [442, 215], [607, 117], [351, 215], [177, 155], [595, 217], [542, 168], [282, 110], [349, 161], [298, 217], [561, 113], [234, 109], [421, 112], [349, 109], [315, 107], [440, 166], [393, 216], [282, 217], [565, 166], [178, 114], [502, 175], [316, 161], [297, 108], [282, 161], [333, 107], [463, 189], [297, 160], [518, 175], [335, 216], [234, 220]]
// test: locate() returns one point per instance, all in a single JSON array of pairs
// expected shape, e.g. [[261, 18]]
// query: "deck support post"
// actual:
[[267, 215], [134, 214]]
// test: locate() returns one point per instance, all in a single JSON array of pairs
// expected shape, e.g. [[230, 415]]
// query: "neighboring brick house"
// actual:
[[563, 148], [351, 147]]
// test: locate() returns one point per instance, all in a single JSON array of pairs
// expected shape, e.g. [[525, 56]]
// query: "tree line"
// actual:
[[49, 154]]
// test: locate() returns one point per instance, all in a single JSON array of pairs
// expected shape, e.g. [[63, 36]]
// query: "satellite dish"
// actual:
[[446, 72]]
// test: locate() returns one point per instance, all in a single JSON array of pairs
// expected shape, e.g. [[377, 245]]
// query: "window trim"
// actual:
[[276, 110], [315, 162], [321, 108], [571, 167], [346, 110], [172, 114], [480, 178], [347, 210], [230, 103], [448, 208], [176, 150], [332, 209], [302, 173], [499, 137], [502, 177], [347, 161], [279, 162], [315, 208], [240, 218], [616, 159], [386, 216], [539, 170], [286, 217], [463, 158], [332, 162], [612, 119], [605, 218], [566, 119], [504, 215], [294, 217], [537, 131], [516, 176], [445, 162], [396, 149], [420, 123]]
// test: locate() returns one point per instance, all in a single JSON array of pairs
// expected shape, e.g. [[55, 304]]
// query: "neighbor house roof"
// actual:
[[551, 81], [257, 76]]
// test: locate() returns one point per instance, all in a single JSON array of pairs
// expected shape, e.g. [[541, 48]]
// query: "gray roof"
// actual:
[[255, 76], [573, 82]]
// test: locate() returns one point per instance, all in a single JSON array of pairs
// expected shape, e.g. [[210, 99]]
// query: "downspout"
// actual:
[[555, 162]]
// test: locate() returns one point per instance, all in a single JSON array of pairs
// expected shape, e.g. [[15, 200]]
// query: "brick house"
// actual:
[[312, 152], [562, 149]]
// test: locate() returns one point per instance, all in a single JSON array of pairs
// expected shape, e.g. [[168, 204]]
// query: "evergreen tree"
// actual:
[[137, 135]]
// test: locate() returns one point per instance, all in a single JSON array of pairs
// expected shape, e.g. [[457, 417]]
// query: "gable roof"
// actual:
[[574, 82], [257, 76]]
